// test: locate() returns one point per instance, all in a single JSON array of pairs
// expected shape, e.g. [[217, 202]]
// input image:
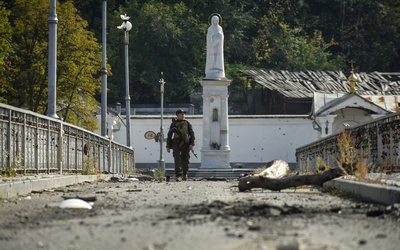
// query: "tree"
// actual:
[[164, 38], [29, 60], [5, 51], [366, 31], [78, 69], [282, 47], [78, 65]]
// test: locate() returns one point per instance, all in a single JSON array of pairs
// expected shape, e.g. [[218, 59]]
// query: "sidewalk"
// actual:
[[388, 192], [14, 187]]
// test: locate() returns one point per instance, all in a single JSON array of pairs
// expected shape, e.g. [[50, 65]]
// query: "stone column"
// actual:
[[224, 123], [206, 123], [215, 124]]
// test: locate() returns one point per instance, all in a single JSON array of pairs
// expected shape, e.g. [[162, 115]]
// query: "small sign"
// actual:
[[149, 135]]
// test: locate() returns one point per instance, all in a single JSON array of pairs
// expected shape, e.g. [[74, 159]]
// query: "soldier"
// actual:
[[181, 143]]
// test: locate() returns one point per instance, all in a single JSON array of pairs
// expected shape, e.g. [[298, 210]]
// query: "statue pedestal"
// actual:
[[213, 159], [215, 124]]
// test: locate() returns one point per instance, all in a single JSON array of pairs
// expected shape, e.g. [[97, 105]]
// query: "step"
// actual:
[[228, 173]]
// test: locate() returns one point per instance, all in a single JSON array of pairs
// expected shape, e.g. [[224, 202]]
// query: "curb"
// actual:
[[383, 194], [23, 187]]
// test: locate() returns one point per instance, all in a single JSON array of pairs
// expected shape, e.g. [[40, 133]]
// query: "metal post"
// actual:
[[127, 97], [162, 162], [104, 72], [126, 27], [52, 64]]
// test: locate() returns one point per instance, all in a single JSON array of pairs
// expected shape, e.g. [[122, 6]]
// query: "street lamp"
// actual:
[[52, 85], [126, 26], [104, 71], [162, 162]]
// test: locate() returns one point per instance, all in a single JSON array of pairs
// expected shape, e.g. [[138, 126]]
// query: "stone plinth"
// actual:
[[215, 124], [215, 159]]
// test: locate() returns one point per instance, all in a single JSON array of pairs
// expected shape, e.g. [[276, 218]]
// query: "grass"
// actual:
[[8, 172], [159, 175]]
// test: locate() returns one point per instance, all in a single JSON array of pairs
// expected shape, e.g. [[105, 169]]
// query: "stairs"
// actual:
[[198, 173]]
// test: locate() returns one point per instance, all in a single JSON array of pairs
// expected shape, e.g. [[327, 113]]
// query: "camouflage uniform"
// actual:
[[180, 136]]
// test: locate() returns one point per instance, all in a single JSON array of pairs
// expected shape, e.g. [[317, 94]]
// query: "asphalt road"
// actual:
[[195, 215]]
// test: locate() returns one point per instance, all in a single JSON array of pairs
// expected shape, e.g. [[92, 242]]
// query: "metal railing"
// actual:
[[31, 143], [378, 142]]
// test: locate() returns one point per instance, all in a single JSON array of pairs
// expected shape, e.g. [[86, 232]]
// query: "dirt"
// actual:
[[195, 215]]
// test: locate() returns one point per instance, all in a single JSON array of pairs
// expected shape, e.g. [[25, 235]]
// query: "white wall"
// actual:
[[252, 139]]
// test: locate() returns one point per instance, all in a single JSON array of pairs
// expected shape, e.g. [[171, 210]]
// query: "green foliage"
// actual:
[[366, 31], [78, 67], [239, 82], [289, 49], [29, 77], [5, 51], [78, 62], [164, 38], [159, 175], [8, 172]]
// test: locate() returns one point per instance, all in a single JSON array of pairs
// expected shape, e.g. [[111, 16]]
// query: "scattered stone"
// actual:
[[362, 242], [134, 190]]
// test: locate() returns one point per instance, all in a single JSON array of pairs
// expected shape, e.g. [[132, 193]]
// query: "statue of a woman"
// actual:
[[215, 50]]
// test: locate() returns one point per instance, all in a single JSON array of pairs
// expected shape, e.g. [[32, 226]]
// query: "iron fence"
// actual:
[[377, 142], [32, 143]]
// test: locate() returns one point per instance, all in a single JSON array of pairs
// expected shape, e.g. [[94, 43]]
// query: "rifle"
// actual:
[[183, 143]]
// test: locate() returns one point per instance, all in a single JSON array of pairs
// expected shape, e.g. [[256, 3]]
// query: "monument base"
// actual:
[[215, 159]]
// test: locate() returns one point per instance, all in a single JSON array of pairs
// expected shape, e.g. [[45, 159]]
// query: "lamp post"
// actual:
[[52, 77], [126, 26], [104, 71], [162, 162]]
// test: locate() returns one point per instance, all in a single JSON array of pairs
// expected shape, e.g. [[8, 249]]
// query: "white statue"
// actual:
[[215, 50]]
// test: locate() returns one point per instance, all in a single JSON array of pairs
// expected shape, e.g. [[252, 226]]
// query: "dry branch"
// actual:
[[252, 181]]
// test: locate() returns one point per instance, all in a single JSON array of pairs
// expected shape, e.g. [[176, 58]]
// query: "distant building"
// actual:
[[327, 96]]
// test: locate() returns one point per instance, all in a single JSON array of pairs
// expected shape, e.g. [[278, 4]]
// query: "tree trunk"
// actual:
[[249, 182]]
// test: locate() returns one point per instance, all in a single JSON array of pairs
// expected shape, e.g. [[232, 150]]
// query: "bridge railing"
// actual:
[[31, 143], [378, 142]]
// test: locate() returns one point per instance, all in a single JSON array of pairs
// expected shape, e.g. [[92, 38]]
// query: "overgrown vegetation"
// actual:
[[159, 175], [351, 161], [8, 172], [89, 166], [127, 168]]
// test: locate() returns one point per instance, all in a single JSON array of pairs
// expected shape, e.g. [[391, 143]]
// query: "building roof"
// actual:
[[324, 104], [303, 84]]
